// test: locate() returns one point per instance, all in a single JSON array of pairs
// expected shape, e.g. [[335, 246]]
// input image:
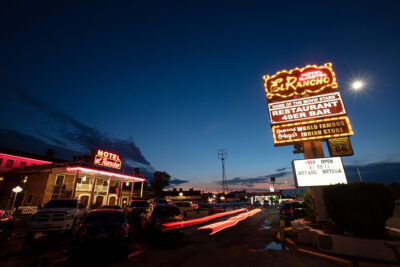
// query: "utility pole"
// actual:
[[359, 174], [222, 155]]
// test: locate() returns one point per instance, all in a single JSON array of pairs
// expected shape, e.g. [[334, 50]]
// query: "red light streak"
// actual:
[[72, 169], [219, 226], [181, 224]]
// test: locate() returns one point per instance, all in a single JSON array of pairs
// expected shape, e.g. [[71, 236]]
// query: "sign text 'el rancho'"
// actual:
[[107, 159]]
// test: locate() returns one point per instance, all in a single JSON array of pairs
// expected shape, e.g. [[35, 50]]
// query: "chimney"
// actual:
[[49, 153]]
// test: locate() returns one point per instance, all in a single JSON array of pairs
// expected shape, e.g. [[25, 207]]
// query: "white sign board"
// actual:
[[318, 172]]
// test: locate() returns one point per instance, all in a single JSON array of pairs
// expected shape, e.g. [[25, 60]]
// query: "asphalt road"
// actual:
[[249, 243]]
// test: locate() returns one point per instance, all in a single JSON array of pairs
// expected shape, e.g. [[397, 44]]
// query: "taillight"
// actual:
[[125, 228], [83, 230]]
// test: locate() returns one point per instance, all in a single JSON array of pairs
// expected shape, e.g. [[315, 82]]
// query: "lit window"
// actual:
[[9, 163]]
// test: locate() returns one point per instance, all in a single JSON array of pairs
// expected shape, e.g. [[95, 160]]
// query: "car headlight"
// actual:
[[69, 216]]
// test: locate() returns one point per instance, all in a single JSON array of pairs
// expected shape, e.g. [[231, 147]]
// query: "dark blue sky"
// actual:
[[179, 79]]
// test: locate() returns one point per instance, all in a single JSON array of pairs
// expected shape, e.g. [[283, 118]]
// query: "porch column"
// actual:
[[120, 193], [75, 183], [141, 190], [91, 194], [132, 189], [108, 189]]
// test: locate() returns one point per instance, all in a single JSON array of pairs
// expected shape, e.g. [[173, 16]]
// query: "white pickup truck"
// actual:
[[57, 215]]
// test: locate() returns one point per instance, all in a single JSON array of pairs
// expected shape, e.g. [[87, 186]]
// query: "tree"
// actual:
[[160, 181]]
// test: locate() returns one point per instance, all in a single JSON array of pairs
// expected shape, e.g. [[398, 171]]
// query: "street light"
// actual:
[[357, 85], [16, 190]]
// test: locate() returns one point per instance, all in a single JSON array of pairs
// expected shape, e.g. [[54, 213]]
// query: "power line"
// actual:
[[222, 155]]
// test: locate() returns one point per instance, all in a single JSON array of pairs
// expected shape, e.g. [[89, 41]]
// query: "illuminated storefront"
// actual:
[[98, 181]]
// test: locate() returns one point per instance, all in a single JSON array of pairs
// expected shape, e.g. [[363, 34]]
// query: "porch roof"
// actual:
[[106, 173]]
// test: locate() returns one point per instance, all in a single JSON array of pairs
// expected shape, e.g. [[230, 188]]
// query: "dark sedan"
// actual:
[[108, 225], [135, 210], [156, 216]]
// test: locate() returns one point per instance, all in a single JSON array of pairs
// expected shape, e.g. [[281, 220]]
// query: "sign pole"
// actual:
[[313, 149]]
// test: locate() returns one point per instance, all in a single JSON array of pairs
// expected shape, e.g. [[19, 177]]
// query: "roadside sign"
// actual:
[[339, 147], [299, 82], [314, 107], [313, 130], [319, 172]]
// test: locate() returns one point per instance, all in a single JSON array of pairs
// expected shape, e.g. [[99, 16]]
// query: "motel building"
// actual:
[[96, 180]]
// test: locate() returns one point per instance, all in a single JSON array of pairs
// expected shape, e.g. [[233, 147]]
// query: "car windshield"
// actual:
[[287, 206], [105, 217], [62, 203], [139, 204], [300, 205], [110, 207], [166, 211], [182, 204], [160, 201]]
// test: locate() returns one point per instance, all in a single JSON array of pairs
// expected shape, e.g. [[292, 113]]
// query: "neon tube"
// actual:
[[72, 169], [181, 224], [25, 158], [219, 226]]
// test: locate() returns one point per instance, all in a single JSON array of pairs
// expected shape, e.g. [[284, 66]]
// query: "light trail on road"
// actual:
[[219, 226], [181, 224]]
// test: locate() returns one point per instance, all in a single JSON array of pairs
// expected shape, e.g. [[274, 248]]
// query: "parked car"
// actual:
[[6, 225], [108, 225], [292, 210], [184, 207], [115, 207], [58, 215], [200, 210], [135, 210], [155, 201], [155, 216]]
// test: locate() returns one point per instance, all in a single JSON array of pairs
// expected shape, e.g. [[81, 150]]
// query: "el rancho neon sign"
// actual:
[[107, 159], [310, 80]]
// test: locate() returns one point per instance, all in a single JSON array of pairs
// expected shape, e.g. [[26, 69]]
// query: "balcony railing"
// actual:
[[88, 187]]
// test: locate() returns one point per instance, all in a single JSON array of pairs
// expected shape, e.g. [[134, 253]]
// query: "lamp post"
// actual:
[[16, 190]]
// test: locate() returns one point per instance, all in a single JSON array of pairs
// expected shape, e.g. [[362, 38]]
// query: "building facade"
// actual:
[[43, 181]]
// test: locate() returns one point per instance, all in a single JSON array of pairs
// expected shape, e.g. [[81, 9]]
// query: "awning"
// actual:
[[119, 175]]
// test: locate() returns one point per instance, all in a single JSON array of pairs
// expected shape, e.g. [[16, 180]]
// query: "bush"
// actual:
[[359, 208], [308, 203], [395, 189]]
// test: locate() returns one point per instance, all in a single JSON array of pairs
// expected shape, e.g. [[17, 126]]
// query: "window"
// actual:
[[23, 164], [59, 179], [9, 163], [29, 199], [58, 186], [1, 161]]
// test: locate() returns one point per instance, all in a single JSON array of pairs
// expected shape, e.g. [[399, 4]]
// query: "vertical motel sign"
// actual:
[[303, 105]]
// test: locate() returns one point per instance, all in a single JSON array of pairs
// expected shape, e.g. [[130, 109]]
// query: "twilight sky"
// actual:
[[167, 83]]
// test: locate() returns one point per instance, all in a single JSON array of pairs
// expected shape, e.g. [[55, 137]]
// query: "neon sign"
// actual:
[[107, 159], [311, 80], [313, 107], [323, 129]]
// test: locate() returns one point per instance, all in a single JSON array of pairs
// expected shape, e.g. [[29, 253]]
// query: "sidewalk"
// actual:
[[394, 222]]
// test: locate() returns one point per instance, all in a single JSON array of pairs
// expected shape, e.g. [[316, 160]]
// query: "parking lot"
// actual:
[[250, 242]]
